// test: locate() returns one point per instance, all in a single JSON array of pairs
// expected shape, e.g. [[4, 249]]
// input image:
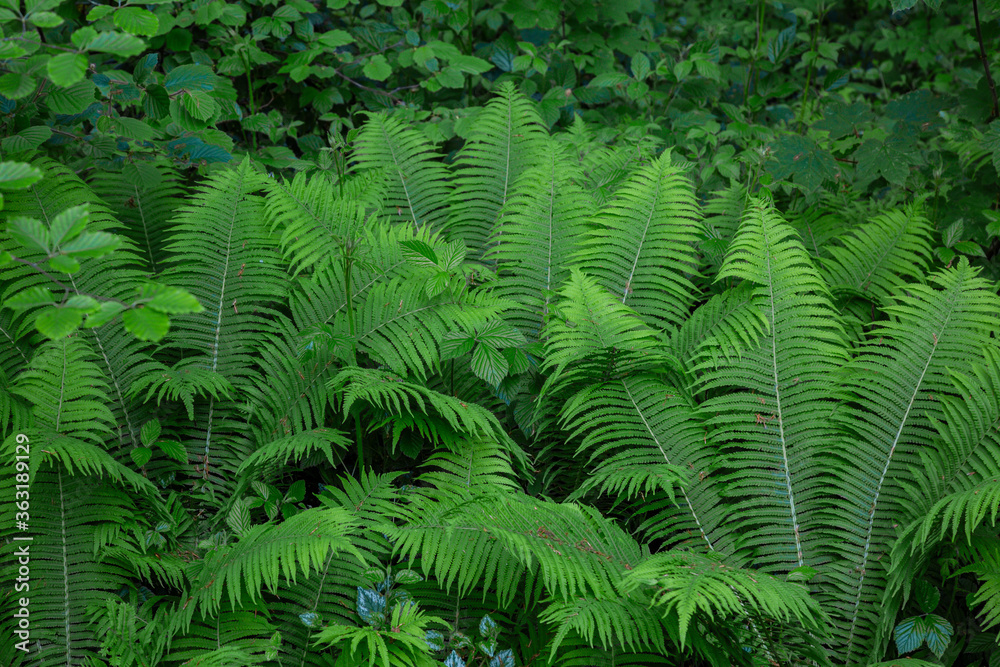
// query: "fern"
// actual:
[[878, 257], [503, 145], [539, 228], [643, 248], [898, 382], [419, 188], [774, 417]]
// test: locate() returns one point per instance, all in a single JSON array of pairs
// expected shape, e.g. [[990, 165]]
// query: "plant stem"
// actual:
[[986, 62]]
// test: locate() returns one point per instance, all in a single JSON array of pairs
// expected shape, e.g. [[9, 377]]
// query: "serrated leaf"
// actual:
[[45, 19], [938, 633], [66, 69], [435, 640], [377, 68], [117, 44], [800, 157], [146, 323], [156, 102], [504, 658], [73, 99], [199, 104], [640, 66], [56, 323], [30, 298], [370, 606], [30, 233], [92, 244], [69, 224], [189, 77], [137, 21], [890, 158], [141, 175], [16, 85], [107, 312], [926, 595], [840, 119], [488, 364], [171, 300], [909, 635], [454, 660], [141, 455], [405, 577], [18, 175], [64, 264], [27, 139], [150, 432], [488, 628], [173, 449]]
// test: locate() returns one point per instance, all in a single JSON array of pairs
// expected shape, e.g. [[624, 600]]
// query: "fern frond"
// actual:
[[436, 416], [622, 622], [897, 384], [539, 227], [496, 539], [232, 638], [504, 144], [419, 187], [145, 212], [313, 222], [643, 250], [881, 255], [647, 439], [266, 553], [691, 584], [722, 328], [774, 416], [590, 325], [224, 255]]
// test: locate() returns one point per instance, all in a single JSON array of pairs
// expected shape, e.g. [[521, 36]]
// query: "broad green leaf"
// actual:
[[137, 21], [117, 44], [30, 233], [377, 68], [146, 323], [31, 298], [156, 102], [890, 159], [166, 299], [150, 432], [488, 364], [107, 312], [141, 455], [189, 77], [56, 323], [92, 244], [27, 139], [17, 175], [45, 19], [69, 224], [199, 104], [640, 66], [800, 157], [64, 264], [67, 69], [15, 85], [73, 99], [926, 595], [174, 450]]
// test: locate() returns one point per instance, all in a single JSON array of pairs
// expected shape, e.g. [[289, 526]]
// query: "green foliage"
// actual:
[[526, 367]]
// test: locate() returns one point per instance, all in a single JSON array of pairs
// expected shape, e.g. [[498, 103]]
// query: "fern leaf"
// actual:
[[419, 186], [879, 256], [537, 233], [897, 383], [775, 415], [504, 144], [644, 248]]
